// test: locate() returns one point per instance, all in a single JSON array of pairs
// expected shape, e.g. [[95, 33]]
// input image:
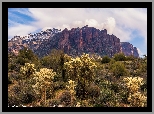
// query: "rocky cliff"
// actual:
[[128, 49], [74, 42]]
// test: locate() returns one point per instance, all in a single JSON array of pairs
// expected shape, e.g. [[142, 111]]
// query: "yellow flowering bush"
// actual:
[[43, 78], [79, 65], [28, 70], [136, 98], [133, 83], [81, 69], [71, 86]]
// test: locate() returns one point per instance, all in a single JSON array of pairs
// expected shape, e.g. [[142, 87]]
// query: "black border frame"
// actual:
[[6, 5]]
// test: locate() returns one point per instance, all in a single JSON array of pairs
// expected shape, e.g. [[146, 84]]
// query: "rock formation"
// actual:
[[74, 42], [128, 49]]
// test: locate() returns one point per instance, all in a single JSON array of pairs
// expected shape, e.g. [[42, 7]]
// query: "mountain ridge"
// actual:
[[74, 42]]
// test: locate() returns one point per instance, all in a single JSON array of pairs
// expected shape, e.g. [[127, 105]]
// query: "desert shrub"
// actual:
[[118, 69], [107, 95], [80, 91], [15, 76], [133, 83], [86, 103], [22, 93], [53, 102], [138, 72], [44, 78], [130, 58], [44, 84], [49, 92], [59, 85], [58, 77], [81, 70], [11, 66], [54, 60], [112, 61], [26, 55], [124, 96], [119, 57], [93, 91], [98, 104], [106, 67], [65, 98], [17, 89], [80, 67], [105, 59], [143, 67], [13, 100], [115, 87], [45, 61], [27, 70], [27, 98], [21, 60], [143, 87], [136, 98]]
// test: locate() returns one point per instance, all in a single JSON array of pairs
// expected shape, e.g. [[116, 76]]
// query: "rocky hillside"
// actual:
[[73, 42], [128, 49]]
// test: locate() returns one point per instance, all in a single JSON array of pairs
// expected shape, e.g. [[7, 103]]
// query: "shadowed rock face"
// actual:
[[128, 49], [77, 41]]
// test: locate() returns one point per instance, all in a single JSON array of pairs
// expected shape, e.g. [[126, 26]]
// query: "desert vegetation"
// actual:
[[59, 80]]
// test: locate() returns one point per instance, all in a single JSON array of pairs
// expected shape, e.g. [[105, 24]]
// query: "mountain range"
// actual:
[[73, 42]]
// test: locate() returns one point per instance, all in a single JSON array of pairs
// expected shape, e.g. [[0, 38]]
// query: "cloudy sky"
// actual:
[[128, 24]]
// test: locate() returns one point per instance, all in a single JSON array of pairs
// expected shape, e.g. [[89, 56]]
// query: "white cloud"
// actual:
[[77, 24], [91, 22], [140, 53], [118, 21], [45, 28], [122, 34], [109, 25], [107, 18], [21, 30]]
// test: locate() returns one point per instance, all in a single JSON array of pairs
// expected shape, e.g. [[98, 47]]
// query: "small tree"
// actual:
[[118, 69], [130, 58], [26, 55], [106, 59], [119, 57]]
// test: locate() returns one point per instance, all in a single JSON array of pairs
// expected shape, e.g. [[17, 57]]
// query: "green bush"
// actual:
[[118, 69], [124, 96], [26, 55], [115, 87], [107, 95], [106, 59], [130, 58], [54, 60], [119, 57]]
